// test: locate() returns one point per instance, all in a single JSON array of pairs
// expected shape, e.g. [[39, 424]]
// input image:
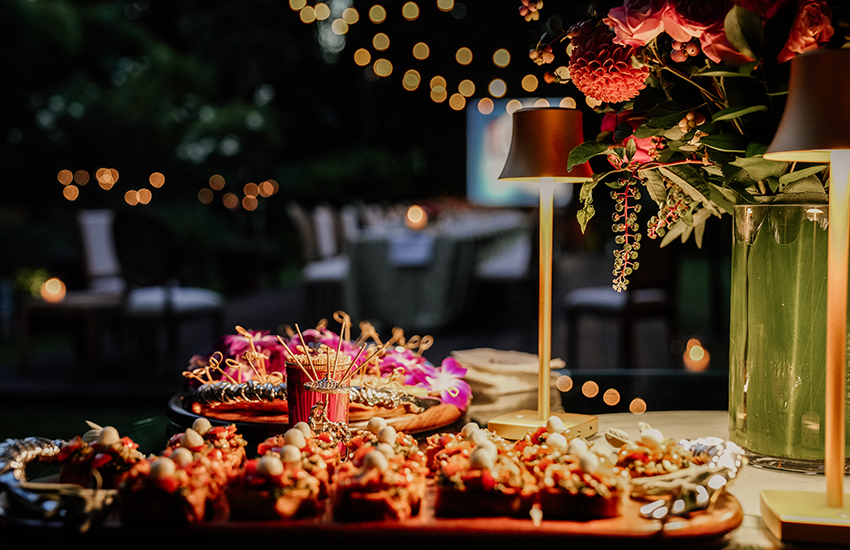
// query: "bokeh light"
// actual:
[[350, 16], [464, 56], [529, 83], [71, 192], [637, 406], [251, 189], [421, 51], [145, 196], [380, 41], [457, 102], [297, 5], [513, 106], [502, 58], [322, 11], [307, 15], [53, 290], [564, 383], [339, 27], [486, 106], [250, 203], [696, 357], [541, 103], [81, 177], [411, 80], [568, 103], [611, 397], [466, 88], [497, 88], [216, 182], [362, 57], [416, 218], [383, 67], [157, 179], [65, 177], [267, 189], [131, 197], [438, 94], [410, 11], [438, 81], [445, 5], [377, 14], [230, 201], [206, 195], [590, 389]]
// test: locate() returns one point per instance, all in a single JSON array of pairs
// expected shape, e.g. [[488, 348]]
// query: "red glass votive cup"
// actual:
[[300, 400]]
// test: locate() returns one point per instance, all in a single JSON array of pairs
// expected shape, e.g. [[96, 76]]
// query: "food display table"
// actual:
[[714, 530]]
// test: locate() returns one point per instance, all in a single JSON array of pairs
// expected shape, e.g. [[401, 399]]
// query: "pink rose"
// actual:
[[636, 22], [811, 28], [686, 19], [610, 122], [716, 47]]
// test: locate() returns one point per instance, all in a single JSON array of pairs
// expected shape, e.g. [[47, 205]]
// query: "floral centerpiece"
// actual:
[[691, 93]]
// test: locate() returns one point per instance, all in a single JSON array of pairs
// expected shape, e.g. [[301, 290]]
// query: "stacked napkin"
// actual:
[[504, 381]]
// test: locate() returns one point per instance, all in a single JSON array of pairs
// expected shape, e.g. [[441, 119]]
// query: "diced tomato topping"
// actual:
[[100, 459], [324, 436], [545, 462], [540, 431], [168, 484]]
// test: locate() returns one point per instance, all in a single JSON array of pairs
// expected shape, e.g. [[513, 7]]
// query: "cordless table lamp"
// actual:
[[540, 148], [815, 127]]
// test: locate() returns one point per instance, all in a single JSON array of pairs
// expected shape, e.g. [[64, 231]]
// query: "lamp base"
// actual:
[[803, 516], [515, 425]]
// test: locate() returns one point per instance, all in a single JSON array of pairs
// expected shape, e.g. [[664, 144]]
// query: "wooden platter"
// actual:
[[266, 423], [701, 529]]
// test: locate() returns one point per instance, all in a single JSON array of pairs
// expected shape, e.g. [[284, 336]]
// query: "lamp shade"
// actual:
[[541, 143], [815, 120]]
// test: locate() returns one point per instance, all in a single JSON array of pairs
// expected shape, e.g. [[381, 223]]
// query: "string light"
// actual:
[[377, 14], [65, 177], [410, 11]]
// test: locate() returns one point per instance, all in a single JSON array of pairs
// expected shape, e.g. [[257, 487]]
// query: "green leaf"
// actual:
[[645, 132], [736, 112], [723, 198], [800, 174], [809, 184], [759, 168], [631, 149], [748, 68], [584, 152], [673, 232], [744, 30], [699, 231], [586, 192], [726, 74], [654, 184], [583, 216], [755, 149], [692, 183], [731, 143]]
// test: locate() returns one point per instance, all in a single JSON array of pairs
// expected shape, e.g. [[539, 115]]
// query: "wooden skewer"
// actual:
[[351, 372], [307, 352], [338, 348], [296, 360]]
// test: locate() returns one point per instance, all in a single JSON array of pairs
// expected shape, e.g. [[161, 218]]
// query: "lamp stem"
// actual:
[[836, 324], [544, 347]]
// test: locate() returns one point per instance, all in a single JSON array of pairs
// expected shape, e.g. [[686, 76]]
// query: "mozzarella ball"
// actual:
[[376, 424], [294, 436], [191, 439], [481, 459], [387, 435], [557, 441], [108, 436], [269, 465], [387, 450], [469, 429], [578, 446], [305, 428], [554, 424], [651, 438], [589, 461], [375, 460], [481, 436], [201, 425], [163, 467], [290, 453], [182, 456]]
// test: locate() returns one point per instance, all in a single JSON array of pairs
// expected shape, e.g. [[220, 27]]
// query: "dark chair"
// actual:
[[651, 294], [148, 255]]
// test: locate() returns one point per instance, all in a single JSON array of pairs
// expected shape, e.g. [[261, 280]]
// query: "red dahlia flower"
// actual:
[[603, 70]]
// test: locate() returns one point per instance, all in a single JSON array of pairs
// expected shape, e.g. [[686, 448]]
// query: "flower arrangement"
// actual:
[[691, 93]]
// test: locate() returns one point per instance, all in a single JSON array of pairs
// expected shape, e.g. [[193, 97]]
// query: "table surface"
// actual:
[[693, 424]]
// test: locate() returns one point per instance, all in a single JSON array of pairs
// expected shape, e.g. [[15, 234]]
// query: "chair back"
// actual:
[[100, 260], [146, 249], [306, 234]]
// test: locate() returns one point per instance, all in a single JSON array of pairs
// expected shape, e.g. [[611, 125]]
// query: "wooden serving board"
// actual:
[[265, 423], [701, 529]]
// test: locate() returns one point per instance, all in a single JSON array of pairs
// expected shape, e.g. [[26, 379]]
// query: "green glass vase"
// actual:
[[777, 356]]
